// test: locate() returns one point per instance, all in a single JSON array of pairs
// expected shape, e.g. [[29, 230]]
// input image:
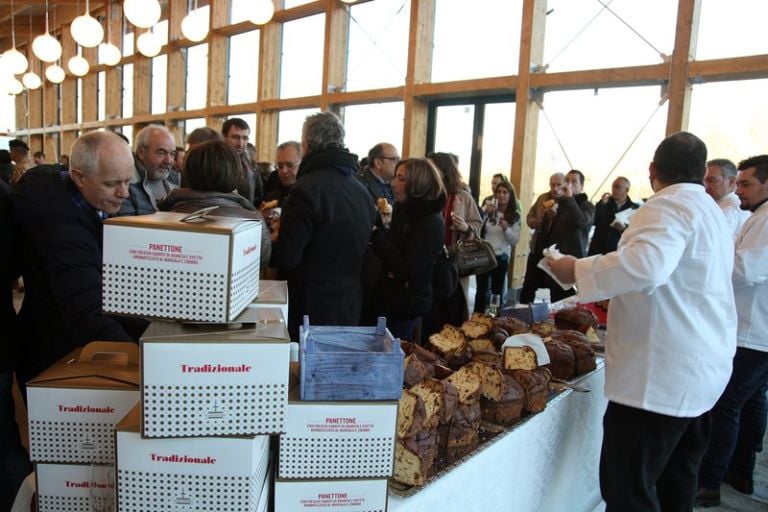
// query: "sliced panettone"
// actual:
[[520, 358], [414, 371], [414, 457], [511, 325], [481, 345], [432, 396], [410, 414], [468, 382], [427, 357], [488, 358], [450, 343], [493, 383], [536, 386], [482, 319], [475, 329], [542, 328], [509, 407]]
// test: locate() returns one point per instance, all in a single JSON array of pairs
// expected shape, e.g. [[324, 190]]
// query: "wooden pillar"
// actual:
[[22, 120], [90, 89], [679, 87], [218, 49], [270, 44], [68, 90], [177, 69], [335, 51], [142, 83], [114, 78], [419, 71], [526, 125]]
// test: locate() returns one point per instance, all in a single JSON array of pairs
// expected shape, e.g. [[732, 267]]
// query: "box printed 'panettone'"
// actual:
[[210, 474], [74, 405], [205, 380], [353, 495], [166, 266]]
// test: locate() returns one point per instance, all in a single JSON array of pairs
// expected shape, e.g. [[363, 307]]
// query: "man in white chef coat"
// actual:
[[671, 333], [720, 184], [739, 418]]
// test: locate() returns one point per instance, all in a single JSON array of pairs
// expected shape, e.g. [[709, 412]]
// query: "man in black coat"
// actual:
[[325, 227], [607, 229], [59, 218]]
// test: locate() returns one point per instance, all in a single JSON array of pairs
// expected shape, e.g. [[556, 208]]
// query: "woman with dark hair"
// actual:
[[211, 173], [462, 222], [410, 248], [502, 229]]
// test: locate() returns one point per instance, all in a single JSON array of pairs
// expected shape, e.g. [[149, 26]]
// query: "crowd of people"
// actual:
[[357, 240]]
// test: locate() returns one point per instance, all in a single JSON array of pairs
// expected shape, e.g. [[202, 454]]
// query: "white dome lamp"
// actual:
[[46, 47], [77, 65], [13, 86], [349, 1], [13, 58], [55, 73], [194, 26], [86, 30], [109, 53], [149, 44], [31, 80], [142, 13], [262, 12]]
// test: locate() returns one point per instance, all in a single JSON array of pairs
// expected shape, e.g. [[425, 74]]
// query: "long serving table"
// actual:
[[549, 462]]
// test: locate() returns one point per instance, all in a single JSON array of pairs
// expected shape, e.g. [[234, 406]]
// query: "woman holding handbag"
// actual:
[[462, 222], [502, 229], [410, 248]]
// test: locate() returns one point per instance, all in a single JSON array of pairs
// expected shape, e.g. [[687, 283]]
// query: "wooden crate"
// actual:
[[350, 363]]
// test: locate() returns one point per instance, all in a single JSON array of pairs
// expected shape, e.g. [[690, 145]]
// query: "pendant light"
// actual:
[[109, 53], [142, 13], [55, 73], [77, 65], [13, 58], [46, 47], [194, 26], [262, 12], [86, 30], [149, 44]]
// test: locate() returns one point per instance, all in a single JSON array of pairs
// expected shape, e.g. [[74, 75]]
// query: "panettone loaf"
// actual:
[[469, 384], [488, 358], [432, 396], [520, 358], [577, 319], [450, 344], [497, 336], [463, 435], [562, 359], [481, 345], [511, 325], [414, 371], [410, 414], [482, 318], [509, 407], [535, 383], [543, 329], [473, 329], [582, 348], [415, 456]]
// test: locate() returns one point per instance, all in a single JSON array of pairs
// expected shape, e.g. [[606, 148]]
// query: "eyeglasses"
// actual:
[[287, 165], [393, 158]]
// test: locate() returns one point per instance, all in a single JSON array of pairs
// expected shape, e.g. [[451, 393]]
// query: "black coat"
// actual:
[[605, 238], [60, 239], [408, 252], [569, 228], [8, 274], [324, 230]]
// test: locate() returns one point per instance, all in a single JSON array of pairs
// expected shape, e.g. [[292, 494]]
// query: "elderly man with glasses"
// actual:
[[281, 181], [382, 160]]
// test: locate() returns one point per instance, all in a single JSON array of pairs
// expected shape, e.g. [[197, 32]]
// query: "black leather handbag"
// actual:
[[474, 256]]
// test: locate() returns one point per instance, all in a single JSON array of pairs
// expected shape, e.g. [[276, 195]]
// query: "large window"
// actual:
[[243, 67], [102, 103], [302, 65], [476, 40], [191, 125], [159, 84], [732, 29], [197, 76], [79, 101], [367, 125], [290, 122], [128, 90], [378, 44]]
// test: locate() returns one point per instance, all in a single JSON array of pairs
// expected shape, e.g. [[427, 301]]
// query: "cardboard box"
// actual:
[[204, 380], [74, 487], [73, 406], [350, 363], [200, 474], [272, 294], [321, 495], [161, 266], [337, 439]]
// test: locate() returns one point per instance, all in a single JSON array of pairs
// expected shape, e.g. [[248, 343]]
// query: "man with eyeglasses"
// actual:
[[236, 133], [153, 161], [281, 181], [382, 160]]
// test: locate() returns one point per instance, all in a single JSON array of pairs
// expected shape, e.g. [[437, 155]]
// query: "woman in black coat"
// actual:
[[410, 248]]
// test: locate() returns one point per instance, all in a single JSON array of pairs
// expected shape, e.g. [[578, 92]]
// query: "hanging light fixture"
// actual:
[[194, 26], [149, 44], [262, 11], [14, 59], [86, 30], [349, 1], [77, 65], [55, 73], [109, 53], [142, 13], [31, 80], [13, 86], [46, 47]]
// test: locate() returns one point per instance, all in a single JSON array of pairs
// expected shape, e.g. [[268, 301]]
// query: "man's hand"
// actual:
[[563, 268]]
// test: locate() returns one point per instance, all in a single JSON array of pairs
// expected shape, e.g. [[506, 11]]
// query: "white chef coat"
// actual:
[[734, 215], [750, 281], [672, 320]]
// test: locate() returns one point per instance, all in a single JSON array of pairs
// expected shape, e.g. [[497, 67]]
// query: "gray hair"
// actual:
[[727, 168], [290, 144], [202, 134], [85, 152], [322, 130], [142, 138]]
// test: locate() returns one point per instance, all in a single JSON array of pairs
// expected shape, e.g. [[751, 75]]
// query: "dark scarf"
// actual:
[[339, 159]]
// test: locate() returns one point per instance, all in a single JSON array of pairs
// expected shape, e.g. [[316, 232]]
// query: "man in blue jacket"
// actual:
[[59, 218]]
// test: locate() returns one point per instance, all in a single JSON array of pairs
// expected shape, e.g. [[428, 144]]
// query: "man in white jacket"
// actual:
[[720, 184], [739, 418], [671, 333]]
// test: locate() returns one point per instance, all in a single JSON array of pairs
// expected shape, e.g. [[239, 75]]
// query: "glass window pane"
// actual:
[[239, 10], [453, 134], [128, 43], [243, 67], [378, 44], [79, 100], [730, 118], [302, 64], [7, 113], [289, 123], [197, 76], [582, 121], [161, 30], [102, 105], [294, 3], [585, 34], [128, 90], [191, 125], [362, 135], [159, 90], [498, 134], [470, 43], [730, 29], [127, 130]]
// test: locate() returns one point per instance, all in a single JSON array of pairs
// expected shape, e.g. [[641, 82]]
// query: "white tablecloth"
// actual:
[[548, 463]]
